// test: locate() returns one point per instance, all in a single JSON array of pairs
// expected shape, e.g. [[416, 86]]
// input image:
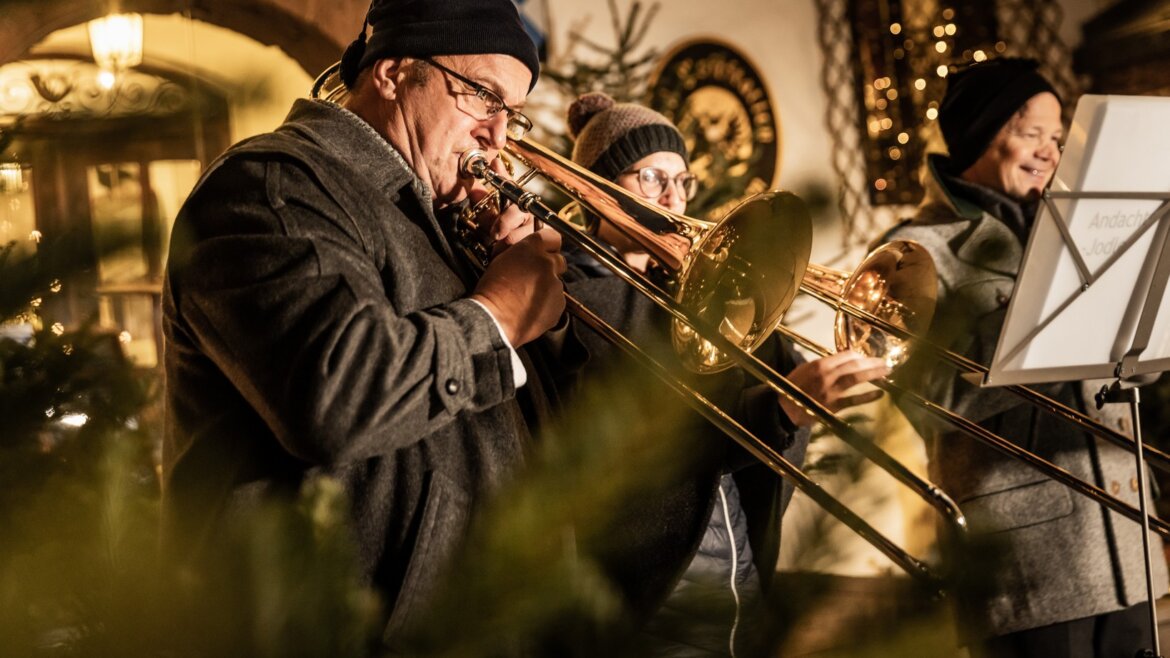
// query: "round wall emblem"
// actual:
[[720, 104]]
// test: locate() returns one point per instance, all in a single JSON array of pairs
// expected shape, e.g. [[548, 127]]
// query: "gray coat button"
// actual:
[[452, 386]]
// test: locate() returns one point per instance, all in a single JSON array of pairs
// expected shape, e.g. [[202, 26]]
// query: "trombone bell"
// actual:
[[742, 276], [896, 282], [738, 278]]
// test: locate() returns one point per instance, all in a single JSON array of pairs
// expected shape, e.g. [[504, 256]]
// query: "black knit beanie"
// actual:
[[980, 99], [611, 136], [425, 28]]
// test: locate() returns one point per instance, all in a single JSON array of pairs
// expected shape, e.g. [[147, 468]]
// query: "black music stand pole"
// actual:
[[1116, 392]]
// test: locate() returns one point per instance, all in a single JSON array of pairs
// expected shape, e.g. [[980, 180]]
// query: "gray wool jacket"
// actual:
[[1040, 553], [317, 323]]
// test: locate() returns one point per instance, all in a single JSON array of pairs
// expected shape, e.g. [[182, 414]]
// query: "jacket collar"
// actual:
[[990, 240], [349, 137], [970, 200], [938, 192], [368, 156]]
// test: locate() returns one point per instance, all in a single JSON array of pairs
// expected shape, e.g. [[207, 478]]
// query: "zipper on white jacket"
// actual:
[[734, 567]]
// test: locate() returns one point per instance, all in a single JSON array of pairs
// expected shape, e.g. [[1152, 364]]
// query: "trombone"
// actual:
[[721, 274], [726, 305], [826, 286]]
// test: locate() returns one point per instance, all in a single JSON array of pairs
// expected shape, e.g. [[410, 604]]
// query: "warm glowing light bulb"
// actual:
[[106, 79], [11, 177], [116, 41]]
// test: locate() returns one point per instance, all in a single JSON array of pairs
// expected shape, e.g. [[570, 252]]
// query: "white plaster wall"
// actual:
[[778, 36]]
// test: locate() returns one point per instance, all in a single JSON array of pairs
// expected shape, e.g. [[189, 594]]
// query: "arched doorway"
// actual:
[[312, 33], [116, 162]]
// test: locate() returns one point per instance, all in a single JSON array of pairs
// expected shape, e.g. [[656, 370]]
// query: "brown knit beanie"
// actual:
[[611, 136]]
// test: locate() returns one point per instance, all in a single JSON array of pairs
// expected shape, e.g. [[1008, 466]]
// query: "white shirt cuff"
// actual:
[[519, 374]]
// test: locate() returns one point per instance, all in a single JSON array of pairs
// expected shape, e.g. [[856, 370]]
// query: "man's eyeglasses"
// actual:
[[484, 104], [652, 181]]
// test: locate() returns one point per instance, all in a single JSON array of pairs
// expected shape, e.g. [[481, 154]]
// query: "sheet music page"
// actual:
[[1115, 144]]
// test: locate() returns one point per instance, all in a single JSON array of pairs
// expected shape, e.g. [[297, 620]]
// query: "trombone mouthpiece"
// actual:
[[473, 162]]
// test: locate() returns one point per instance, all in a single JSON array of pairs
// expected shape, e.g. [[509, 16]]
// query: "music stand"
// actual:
[[1094, 274]]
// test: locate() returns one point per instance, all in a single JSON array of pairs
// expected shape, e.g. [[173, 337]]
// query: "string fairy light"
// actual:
[[912, 52]]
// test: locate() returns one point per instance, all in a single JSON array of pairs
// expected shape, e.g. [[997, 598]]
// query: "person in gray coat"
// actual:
[[1051, 573], [318, 321]]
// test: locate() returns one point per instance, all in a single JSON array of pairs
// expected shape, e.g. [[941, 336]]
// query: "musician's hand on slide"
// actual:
[[830, 380], [521, 287], [511, 226]]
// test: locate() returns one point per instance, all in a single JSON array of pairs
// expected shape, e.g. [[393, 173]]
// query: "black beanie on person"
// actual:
[[426, 28], [611, 136], [980, 99]]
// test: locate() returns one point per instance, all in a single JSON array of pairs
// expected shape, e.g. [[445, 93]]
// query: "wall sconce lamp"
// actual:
[[11, 177], [116, 42]]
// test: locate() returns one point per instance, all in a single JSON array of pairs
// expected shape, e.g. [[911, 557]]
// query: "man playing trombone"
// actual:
[[1054, 573], [318, 322]]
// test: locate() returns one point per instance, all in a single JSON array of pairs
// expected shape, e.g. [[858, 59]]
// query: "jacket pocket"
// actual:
[[1020, 506], [444, 522]]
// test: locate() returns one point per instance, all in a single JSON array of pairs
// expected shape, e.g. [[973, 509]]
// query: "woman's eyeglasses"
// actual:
[[652, 181], [485, 103]]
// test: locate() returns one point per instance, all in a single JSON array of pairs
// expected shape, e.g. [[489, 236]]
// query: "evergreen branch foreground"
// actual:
[[82, 573]]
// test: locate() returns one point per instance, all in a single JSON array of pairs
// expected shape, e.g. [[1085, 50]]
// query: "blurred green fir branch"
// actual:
[[80, 569]]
